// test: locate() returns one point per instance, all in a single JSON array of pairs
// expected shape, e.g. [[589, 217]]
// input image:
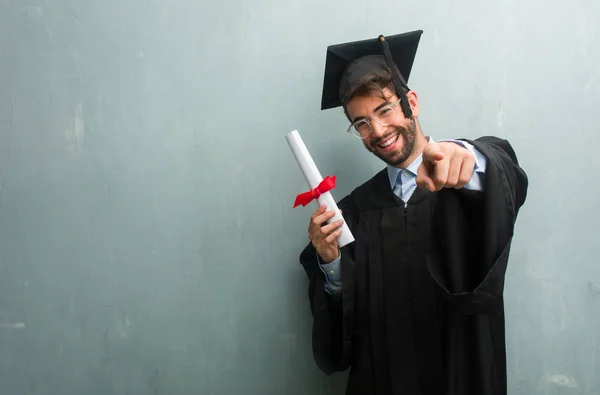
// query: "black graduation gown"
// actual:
[[421, 307]]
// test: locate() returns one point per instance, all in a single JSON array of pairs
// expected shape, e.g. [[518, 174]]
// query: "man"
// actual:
[[415, 304]]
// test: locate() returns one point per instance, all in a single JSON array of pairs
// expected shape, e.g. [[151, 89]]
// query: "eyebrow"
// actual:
[[385, 103]]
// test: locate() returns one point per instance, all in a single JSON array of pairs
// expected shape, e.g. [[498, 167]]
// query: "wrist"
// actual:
[[328, 257]]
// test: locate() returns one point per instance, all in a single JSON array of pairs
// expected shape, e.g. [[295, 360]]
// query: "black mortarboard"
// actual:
[[347, 63]]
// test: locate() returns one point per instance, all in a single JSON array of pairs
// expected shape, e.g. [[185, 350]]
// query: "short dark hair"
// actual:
[[371, 85]]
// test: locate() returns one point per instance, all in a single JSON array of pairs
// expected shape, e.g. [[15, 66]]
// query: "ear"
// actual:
[[413, 99]]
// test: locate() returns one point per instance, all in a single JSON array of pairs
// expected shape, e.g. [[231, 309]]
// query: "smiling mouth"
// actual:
[[389, 143]]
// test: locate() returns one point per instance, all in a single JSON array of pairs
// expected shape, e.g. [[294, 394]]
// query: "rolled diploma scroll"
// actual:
[[313, 179]]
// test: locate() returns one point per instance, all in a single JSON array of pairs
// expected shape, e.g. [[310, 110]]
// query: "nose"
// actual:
[[377, 129]]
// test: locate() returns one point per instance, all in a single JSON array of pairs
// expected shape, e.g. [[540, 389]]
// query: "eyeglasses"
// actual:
[[384, 116]]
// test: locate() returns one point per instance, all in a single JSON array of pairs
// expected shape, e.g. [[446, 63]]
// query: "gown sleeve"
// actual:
[[473, 231], [332, 313], [468, 258]]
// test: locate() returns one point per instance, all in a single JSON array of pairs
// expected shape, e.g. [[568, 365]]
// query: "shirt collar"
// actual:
[[393, 172]]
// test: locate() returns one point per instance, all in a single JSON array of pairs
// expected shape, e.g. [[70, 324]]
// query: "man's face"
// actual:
[[394, 143]]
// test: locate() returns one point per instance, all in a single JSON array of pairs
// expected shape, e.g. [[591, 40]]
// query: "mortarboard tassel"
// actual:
[[397, 79]]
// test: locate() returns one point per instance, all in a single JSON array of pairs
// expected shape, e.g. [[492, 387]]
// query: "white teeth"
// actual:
[[388, 142]]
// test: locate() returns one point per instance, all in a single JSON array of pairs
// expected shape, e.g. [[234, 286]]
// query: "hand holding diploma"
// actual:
[[326, 239]]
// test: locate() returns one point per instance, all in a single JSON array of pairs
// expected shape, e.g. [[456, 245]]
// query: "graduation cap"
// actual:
[[347, 63]]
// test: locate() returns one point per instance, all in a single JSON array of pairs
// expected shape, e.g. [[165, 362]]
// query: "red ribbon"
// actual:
[[305, 198]]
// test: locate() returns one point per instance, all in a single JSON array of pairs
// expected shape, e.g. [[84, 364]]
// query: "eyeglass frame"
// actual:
[[375, 118]]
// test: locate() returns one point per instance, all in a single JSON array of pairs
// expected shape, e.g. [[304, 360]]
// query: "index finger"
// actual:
[[318, 211], [319, 220]]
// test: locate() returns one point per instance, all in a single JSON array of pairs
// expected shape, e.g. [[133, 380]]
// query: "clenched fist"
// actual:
[[445, 165]]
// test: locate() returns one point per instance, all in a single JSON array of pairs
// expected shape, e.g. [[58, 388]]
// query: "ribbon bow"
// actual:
[[326, 185]]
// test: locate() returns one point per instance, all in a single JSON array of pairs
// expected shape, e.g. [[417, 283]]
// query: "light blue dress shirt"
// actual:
[[403, 183]]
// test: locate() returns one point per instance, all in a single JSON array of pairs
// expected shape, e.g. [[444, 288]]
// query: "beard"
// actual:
[[407, 134]]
